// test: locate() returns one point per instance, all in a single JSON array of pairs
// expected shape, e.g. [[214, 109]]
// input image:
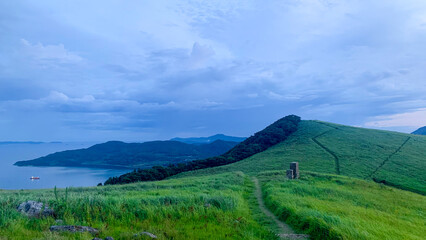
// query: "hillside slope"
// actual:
[[219, 202], [115, 154], [275, 133], [338, 207], [396, 159]]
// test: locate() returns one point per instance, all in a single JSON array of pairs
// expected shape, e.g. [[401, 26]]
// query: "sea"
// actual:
[[14, 177]]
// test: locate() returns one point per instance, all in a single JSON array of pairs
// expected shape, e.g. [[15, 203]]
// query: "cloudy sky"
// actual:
[[145, 70]]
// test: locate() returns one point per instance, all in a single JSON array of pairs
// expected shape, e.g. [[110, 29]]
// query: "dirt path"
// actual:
[[285, 231]]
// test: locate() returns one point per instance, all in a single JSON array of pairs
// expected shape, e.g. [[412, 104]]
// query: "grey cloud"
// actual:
[[218, 64]]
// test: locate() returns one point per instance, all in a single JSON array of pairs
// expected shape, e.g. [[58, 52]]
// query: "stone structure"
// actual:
[[295, 167], [290, 174], [293, 172]]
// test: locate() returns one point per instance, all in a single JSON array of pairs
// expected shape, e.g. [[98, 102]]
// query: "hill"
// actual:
[[420, 131], [341, 194], [115, 154], [277, 132], [204, 140], [392, 158]]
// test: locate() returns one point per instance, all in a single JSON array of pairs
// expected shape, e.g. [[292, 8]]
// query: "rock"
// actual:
[[35, 209], [97, 239], [109, 238], [146, 234], [73, 229]]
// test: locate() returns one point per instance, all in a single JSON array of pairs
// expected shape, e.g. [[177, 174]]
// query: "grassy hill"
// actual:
[[353, 185], [393, 158], [273, 134], [115, 154]]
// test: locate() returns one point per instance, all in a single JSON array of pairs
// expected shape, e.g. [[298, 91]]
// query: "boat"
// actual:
[[34, 178]]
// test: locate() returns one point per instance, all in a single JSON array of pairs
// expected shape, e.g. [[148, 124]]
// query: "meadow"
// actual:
[[337, 207], [214, 207], [396, 158], [337, 197]]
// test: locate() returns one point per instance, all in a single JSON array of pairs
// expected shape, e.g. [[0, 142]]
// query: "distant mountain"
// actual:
[[115, 154], [28, 142], [420, 131], [203, 140]]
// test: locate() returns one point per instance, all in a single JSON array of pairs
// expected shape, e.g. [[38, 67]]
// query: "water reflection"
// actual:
[[13, 177]]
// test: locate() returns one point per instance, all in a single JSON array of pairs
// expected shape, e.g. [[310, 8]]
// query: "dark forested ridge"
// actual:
[[260, 141], [420, 131], [115, 154]]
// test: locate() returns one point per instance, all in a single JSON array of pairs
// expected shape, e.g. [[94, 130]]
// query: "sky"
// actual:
[[147, 70]]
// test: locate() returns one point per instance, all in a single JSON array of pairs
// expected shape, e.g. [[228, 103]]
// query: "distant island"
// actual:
[[116, 154], [203, 140], [420, 131]]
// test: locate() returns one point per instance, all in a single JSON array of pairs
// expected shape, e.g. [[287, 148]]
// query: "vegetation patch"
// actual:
[[338, 207], [214, 207]]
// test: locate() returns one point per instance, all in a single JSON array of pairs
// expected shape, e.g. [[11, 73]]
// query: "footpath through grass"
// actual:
[[214, 207], [338, 207]]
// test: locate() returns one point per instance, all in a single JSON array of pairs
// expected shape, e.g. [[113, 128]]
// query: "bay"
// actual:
[[14, 177]]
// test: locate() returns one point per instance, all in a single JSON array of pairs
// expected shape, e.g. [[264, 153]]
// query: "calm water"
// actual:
[[13, 177]]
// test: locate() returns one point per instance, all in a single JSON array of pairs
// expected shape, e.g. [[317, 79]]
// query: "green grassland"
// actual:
[[214, 207], [397, 158], [336, 197], [331, 206], [338, 207]]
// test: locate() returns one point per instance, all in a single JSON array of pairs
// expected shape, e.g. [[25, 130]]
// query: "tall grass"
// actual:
[[195, 208], [337, 207]]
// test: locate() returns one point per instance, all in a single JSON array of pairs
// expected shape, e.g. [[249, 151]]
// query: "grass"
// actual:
[[299, 147], [361, 153], [337, 207], [218, 203], [214, 207]]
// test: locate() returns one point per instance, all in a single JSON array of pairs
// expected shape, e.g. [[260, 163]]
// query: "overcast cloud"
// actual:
[[145, 70]]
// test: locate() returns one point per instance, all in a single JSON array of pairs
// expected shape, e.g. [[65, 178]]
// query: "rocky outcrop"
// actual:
[[35, 209], [73, 229], [145, 234]]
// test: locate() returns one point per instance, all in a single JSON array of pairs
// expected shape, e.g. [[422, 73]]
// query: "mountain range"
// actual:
[[116, 154]]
